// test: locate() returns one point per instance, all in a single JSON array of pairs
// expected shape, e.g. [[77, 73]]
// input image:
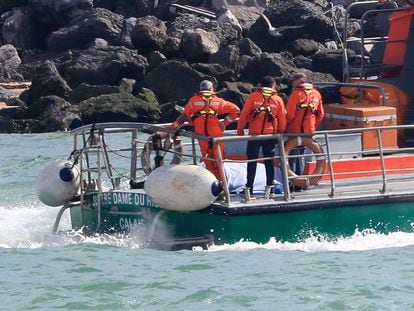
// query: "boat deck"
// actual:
[[366, 190]]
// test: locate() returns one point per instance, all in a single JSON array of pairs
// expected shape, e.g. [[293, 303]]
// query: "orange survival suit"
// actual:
[[304, 109], [264, 110], [202, 112]]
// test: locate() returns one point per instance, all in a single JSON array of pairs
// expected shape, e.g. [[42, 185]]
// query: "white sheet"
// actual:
[[236, 174]]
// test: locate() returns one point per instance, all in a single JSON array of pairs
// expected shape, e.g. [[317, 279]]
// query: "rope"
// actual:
[[83, 148]]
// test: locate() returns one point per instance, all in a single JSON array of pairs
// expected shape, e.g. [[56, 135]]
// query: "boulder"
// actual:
[[56, 115], [267, 64], [155, 59], [21, 31], [9, 63], [227, 56], [47, 81], [149, 34], [329, 62], [84, 91], [219, 72], [174, 80], [119, 107], [7, 5], [309, 17], [248, 47], [128, 26], [85, 26], [197, 45], [53, 14], [136, 8], [107, 65], [188, 22], [305, 47]]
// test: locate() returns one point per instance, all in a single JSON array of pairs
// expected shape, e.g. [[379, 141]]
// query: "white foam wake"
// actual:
[[31, 226], [359, 241]]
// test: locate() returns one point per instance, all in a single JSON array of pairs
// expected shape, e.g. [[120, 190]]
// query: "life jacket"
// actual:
[[265, 107], [207, 111], [307, 101]]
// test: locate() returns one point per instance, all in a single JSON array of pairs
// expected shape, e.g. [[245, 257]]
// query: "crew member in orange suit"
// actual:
[[264, 111], [304, 113], [202, 112]]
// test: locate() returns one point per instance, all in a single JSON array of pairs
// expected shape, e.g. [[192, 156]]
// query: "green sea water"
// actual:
[[39, 271]]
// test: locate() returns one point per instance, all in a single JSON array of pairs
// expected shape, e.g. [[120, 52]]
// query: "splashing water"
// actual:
[[30, 227], [359, 241]]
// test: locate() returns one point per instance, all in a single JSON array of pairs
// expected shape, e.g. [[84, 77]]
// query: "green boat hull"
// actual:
[[137, 213]]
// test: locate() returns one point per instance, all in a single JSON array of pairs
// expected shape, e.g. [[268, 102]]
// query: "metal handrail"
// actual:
[[366, 14], [380, 151], [346, 73]]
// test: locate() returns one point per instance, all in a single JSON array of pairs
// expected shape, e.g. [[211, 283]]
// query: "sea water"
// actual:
[[40, 271]]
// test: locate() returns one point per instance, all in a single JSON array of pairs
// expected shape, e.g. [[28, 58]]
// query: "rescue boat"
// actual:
[[358, 168]]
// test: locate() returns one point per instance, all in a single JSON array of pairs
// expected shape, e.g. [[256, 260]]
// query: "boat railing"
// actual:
[[96, 162], [330, 174], [366, 67]]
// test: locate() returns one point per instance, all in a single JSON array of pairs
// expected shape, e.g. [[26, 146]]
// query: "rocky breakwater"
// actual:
[[133, 60]]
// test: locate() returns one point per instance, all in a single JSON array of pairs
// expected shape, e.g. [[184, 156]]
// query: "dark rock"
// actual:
[[44, 103], [9, 63], [174, 80], [128, 26], [127, 85], [112, 49], [7, 5], [233, 96], [5, 95], [121, 107], [84, 91], [47, 81], [155, 59], [85, 26], [246, 15], [172, 48], [301, 61], [239, 87], [314, 24], [105, 4], [97, 43], [103, 65], [149, 34], [55, 114], [329, 62], [248, 47], [305, 47], [15, 101], [21, 31], [227, 56], [148, 96], [168, 111], [267, 64], [53, 14], [8, 125], [243, 61], [187, 22], [198, 45], [137, 8], [219, 72], [32, 61]]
